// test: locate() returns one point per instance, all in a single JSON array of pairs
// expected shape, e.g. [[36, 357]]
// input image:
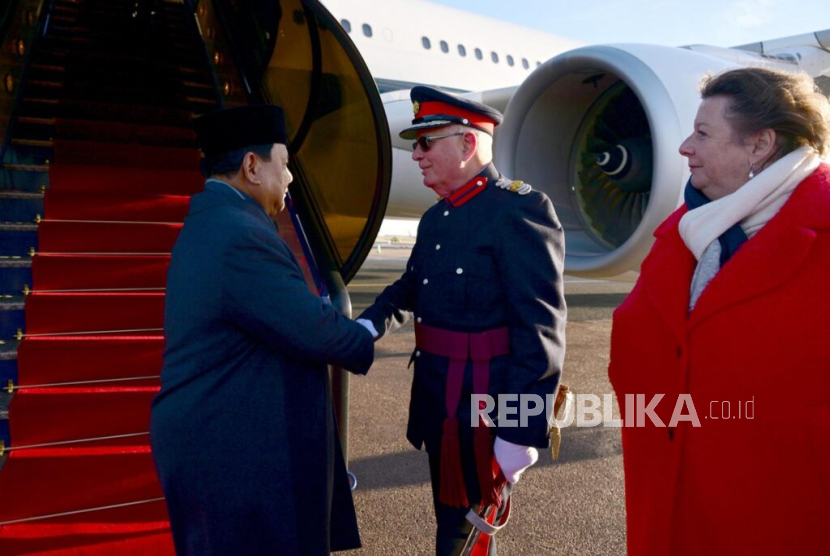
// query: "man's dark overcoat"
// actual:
[[243, 432], [493, 261]]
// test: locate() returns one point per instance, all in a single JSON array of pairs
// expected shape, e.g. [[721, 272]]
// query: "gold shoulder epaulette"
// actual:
[[515, 186]]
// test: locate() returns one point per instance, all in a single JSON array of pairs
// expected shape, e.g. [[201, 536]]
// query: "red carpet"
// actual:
[[106, 179], [48, 313], [72, 272], [64, 205], [58, 359], [137, 531], [60, 236], [41, 415], [97, 153], [54, 480]]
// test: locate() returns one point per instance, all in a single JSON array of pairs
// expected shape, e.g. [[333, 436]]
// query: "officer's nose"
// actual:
[[417, 154]]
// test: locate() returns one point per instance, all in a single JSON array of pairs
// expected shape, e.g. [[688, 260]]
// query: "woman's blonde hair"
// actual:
[[788, 103]]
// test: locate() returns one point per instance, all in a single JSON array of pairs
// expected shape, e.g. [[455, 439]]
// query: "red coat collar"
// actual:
[[467, 191], [767, 260]]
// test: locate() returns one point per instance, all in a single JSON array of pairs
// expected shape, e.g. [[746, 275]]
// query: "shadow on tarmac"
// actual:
[[410, 467]]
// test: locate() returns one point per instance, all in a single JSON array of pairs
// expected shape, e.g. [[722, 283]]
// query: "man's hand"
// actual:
[[514, 459], [367, 324]]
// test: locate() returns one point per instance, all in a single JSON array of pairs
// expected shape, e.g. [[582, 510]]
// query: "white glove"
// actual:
[[514, 459], [367, 324]]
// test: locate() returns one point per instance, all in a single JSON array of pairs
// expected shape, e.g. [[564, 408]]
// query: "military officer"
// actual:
[[484, 285]]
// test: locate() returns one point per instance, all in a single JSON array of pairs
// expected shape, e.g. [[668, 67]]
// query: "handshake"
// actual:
[[513, 459]]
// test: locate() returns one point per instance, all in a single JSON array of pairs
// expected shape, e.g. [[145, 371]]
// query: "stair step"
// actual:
[[87, 358], [100, 153], [32, 143], [121, 206], [56, 236], [18, 239], [35, 121], [117, 132], [79, 177], [46, 415], [27, 167], [12, 303], [62, 313], [18, 227], [7, 261], [14, 279], [21, 206], [75, 478]]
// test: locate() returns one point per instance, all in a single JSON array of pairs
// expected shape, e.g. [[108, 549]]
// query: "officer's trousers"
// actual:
[[452, 526]]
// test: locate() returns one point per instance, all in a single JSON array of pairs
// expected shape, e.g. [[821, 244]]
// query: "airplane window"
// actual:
[[367, 29], [461, 50], [346, 25], [494, 57], [525, 65], [479, 55], [425, 41], [510, 60], [445, 47]]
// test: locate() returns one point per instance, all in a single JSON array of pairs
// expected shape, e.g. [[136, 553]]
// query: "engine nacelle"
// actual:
[[598, 130]]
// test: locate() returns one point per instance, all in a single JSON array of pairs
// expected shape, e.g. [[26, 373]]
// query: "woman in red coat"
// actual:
[[730, 321]]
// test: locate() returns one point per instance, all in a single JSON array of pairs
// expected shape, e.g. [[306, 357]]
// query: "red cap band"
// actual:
[[435, 108]]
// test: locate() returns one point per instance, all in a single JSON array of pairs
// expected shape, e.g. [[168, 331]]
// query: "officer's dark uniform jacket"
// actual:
[[492, 261]]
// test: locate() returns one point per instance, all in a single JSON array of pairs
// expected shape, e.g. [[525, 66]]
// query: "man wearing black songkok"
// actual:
[[243, 431]]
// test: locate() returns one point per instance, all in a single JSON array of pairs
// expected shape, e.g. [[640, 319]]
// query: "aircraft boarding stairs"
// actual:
[[98, 164], [96, 182]]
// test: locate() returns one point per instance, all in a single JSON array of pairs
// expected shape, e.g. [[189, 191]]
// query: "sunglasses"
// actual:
[[424, 142]]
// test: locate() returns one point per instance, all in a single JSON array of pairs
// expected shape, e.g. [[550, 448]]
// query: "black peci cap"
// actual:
[[242, 126]]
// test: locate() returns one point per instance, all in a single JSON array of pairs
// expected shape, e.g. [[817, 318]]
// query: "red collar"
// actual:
[[467, 191]]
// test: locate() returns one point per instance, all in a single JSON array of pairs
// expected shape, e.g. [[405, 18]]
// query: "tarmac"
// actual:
[[571, 506]]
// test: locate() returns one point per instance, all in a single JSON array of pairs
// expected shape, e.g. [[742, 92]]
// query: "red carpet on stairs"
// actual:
[[74, 272], [46, 481], [121, 175], [73, 413], [106, 179], [60, 359], [63, 205], [50, 313], [111, 216], [62, 236]]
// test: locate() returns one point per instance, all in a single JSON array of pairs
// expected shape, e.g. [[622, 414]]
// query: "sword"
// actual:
[[488, 521]]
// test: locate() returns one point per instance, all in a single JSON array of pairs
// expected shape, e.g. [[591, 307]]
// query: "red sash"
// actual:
[[460, 347]]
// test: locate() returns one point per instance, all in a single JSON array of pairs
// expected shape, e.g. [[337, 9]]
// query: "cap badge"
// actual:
[[416, 107]]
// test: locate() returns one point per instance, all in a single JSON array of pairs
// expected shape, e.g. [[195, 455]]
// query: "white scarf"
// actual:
[[752, 205]]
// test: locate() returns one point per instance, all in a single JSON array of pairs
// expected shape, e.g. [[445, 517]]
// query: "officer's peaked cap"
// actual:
[[226, 130], [434, 108]]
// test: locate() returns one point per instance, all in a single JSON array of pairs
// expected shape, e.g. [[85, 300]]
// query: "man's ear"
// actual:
[[469, 145], [250, 168]]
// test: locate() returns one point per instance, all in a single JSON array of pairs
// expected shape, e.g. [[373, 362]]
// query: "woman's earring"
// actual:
[[751, 172]]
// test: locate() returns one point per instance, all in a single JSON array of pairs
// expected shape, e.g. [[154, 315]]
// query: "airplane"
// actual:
[[594, 127], [98, 162]]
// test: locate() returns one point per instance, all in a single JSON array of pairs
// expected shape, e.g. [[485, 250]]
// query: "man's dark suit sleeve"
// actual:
[[267, 296], [529, 254]]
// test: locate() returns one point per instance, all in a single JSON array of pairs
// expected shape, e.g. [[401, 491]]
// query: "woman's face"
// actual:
[[718, 158]]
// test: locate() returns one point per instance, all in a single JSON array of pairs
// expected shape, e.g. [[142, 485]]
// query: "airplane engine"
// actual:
[[598, 130]]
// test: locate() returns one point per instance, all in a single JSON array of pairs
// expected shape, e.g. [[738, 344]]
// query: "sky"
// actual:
[[665, 22]]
